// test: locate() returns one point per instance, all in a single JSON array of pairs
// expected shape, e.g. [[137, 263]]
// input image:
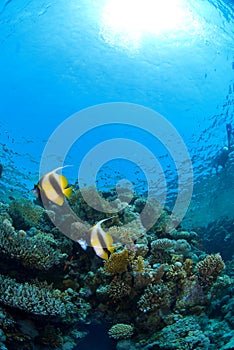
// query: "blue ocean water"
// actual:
[[59, 58]]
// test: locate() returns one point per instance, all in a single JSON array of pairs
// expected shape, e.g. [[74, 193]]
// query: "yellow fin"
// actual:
[[104, 255], [108, 240], [68, 192], [63, 181], [112, 249]]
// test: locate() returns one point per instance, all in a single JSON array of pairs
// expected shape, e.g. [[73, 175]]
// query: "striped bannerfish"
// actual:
[[53, 187], [100, 241]]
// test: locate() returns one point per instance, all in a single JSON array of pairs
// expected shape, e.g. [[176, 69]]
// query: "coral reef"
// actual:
[[156, 291], [38, 298]]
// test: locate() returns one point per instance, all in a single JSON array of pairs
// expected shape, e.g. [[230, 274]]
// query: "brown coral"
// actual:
[[155, 297], [209, 269], [117, 263], [39, 251], [118, 290]]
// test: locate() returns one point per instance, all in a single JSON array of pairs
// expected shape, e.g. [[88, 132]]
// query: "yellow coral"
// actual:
[[139, 264], [117, 263], [188, 267]]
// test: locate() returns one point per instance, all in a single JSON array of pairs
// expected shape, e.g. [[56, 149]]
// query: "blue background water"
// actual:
[[60, 57]]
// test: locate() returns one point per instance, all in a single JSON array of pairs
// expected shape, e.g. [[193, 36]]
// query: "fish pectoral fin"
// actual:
[[68, 192]]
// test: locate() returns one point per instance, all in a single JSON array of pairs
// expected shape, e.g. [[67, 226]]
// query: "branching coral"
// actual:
[[155, 297], [129, 233], [209, 269], [118, 289], [121, 331], [39, 251], [176, 275], [39, 299], [161, 250]]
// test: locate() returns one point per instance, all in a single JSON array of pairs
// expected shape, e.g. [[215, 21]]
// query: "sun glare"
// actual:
[[133, 19]]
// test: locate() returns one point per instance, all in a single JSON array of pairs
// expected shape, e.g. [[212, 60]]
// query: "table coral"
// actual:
[[39, 299], [39, 251]]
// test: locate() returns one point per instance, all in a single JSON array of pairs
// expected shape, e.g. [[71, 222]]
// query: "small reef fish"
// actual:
[[53, 187], [100, 241]]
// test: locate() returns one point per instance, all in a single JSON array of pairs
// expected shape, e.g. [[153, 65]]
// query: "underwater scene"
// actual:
[[117, 174]]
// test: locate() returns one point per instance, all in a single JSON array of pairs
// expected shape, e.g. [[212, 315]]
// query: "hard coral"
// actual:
[[118, 289], [38, 252], [155, 297], [39, 299], [209, 269], [121, 331], [24, 214], [117, 263], [79, 203]]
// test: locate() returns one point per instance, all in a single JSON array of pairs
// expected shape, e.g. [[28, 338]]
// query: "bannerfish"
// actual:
[[100, 241], [53, 187]]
